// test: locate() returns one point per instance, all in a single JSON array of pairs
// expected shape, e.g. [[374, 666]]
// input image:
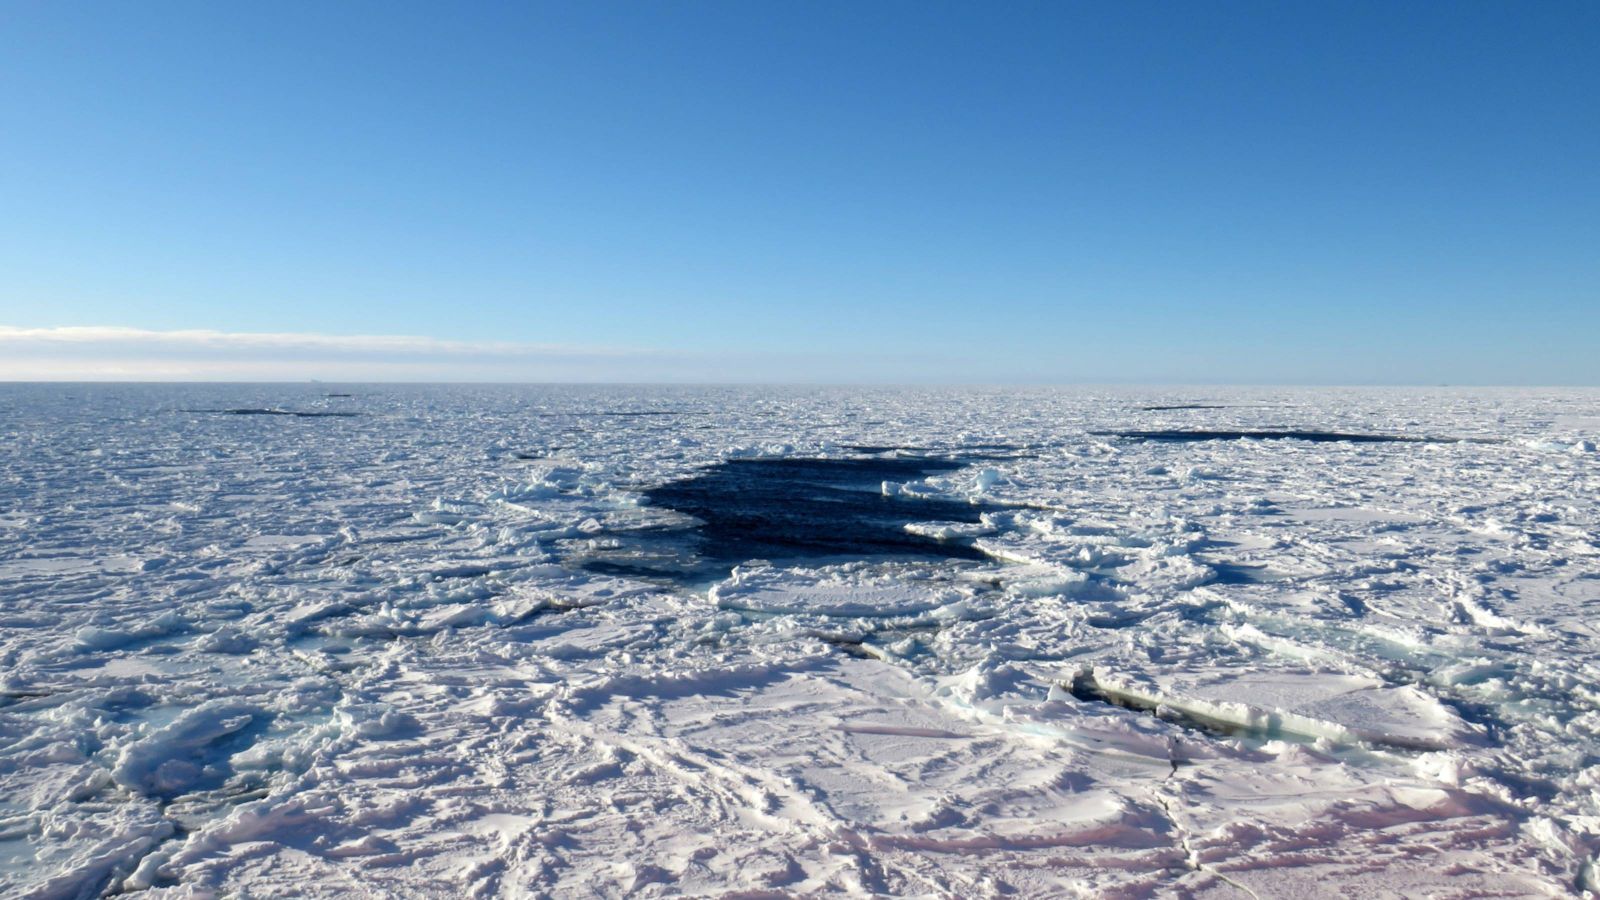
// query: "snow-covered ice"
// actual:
[[522, 641]]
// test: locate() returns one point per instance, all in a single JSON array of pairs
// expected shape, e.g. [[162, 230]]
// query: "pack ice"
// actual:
[[541, 641]]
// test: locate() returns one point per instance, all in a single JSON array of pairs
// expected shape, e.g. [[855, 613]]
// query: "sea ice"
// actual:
[[485, 641]]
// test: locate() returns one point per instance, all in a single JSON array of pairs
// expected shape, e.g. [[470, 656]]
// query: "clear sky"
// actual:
[[760, 190]]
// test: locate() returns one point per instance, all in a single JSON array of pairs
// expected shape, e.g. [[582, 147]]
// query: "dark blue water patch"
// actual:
[[968, 452], [875, 643], [1187, 436], [1239, 573], [270, 411], [1118, 620], [797, 510], [880, 448], [639, 570], [7, 698], [625, 413]]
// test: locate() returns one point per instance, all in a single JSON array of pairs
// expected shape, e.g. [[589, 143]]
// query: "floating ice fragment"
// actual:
[[1314, 705], [186, 753], [226, 640], [377, 722], [835, 592], [92, 637]]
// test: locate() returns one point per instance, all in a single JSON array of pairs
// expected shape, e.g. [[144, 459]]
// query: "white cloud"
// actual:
[[109, 353]]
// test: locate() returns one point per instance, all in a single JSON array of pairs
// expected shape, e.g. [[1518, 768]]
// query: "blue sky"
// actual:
[[883, 191]]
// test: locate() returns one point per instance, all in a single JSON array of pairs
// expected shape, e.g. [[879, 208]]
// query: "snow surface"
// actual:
[[434, 648]]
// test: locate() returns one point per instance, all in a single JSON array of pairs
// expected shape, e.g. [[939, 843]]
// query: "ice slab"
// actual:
[[1309, 705]]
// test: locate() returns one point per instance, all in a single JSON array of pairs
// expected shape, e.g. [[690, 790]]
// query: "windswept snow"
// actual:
[[525, 641]]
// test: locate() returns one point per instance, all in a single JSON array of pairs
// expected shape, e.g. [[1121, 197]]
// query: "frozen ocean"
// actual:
[[486, 641]]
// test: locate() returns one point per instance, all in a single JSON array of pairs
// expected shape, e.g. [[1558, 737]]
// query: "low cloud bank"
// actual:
[[110, 353], [116, 353]]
